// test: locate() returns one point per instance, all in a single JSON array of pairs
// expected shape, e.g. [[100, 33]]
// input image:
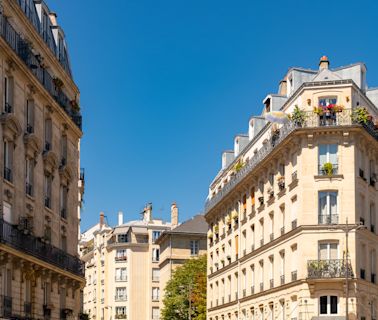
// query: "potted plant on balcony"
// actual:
[[261, 200], [360, 115], [234, 215], [239, 165], [298, 116], [58, 83], [328, 169], [271, 192], [84, 316], [210, 235]]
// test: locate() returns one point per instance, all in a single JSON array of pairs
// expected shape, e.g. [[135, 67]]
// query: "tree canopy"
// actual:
[[188, 282]]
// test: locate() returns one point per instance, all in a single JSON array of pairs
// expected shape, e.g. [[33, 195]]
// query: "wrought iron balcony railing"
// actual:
[[312, 120], [11, 235], [331, 268], [328, 219], [24, 51]]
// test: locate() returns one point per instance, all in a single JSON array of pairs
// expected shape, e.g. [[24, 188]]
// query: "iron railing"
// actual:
[[29, 244], [331, 268], [8, 108], [328, 219], [29, 9], [24, 51], [312, 120], [8, 174], [6, 306]]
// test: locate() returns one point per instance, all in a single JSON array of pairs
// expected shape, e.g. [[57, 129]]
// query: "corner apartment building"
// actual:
[[186, 241], [122, 267], [41, 184], [278, 209]]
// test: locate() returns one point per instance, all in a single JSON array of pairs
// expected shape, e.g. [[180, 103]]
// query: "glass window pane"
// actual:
[[333, 304], [332, 148], [322, 154], [333, 250], [333, 202], [323, 251], [322, 203], [323, 305]]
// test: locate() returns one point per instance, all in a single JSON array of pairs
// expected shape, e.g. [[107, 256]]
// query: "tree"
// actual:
[[188, 283]]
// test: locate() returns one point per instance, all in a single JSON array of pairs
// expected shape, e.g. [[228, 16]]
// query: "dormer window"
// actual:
[[267, 105], [122, 238]]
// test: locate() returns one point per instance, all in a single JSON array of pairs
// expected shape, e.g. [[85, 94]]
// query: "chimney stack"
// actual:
[[324, 63], [120, 218], [282, 89], [147, 212], [174, 214], [102, 216]]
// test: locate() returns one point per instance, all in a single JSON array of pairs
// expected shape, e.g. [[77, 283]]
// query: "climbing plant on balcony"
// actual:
[[360, 115], [298, 116]]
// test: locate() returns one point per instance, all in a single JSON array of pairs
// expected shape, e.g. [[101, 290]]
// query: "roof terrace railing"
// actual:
[[312, 120]]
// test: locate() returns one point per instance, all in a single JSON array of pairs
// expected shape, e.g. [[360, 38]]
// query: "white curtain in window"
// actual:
[[322, 203]]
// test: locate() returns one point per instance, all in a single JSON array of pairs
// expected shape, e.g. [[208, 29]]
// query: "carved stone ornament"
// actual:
[[33, 145], [50, 160], [11, 126]]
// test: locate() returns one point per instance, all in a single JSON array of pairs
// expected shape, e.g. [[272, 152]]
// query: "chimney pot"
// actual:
[[324, 63], [120, 218], [102, 218]]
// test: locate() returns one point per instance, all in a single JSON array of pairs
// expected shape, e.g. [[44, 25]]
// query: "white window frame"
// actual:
[[329, 305]]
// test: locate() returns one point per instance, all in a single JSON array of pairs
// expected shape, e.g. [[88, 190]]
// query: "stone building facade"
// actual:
[[291, 197], [41, 185]]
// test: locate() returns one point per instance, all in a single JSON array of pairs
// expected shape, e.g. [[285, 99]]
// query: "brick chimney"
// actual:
[[174, 214], [324, 63], [102, 219]]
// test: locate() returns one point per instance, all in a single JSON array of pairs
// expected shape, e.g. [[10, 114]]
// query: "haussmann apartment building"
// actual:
[[41, 183], [278, 209], [122, 267]]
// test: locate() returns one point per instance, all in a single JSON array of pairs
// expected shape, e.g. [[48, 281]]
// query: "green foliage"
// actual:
[[84, 316], [298, 116], [328, 168], [188, 282], [360, 115], [239, 165]]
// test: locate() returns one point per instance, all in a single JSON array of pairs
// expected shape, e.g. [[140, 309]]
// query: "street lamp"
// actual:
[[347, 229]]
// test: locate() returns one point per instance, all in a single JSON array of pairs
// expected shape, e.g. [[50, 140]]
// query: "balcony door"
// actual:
[[328, 251], [328, 207]]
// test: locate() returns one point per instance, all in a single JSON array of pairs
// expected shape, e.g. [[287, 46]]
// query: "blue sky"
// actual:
[[166, 85]]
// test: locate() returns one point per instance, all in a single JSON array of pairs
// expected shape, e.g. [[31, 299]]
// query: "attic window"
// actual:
[[267, 105]]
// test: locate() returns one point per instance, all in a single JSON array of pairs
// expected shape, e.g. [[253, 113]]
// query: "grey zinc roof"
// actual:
[[197, 224]]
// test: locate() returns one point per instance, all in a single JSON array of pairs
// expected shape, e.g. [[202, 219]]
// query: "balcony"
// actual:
[[24, 51], [31, 245], [120, 298], [328, 269], [328, 219], [311, 121], [120, 258]]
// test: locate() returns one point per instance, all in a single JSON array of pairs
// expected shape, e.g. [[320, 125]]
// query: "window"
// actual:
[[63, 242], [327, 154], [155, 235], [8, 95], [29, 116], [372, 217], [155, 294], [48, 134], [8, 160], [155, 274], [121, 274], [328, 305], [46, 293], [194, 247], [328, 207], [155, 313], [155, 254], [121, 255], [122, 238], [29, 176], [63, 151], [120, 311], [7, 212], [63, 201], [121, 293], [328, 251], [47, 187]]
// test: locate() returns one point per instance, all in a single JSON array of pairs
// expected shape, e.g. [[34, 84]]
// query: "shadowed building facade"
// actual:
[[41, 184]]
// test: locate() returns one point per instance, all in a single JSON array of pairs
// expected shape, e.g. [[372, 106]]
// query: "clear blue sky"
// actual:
[[166, 85]]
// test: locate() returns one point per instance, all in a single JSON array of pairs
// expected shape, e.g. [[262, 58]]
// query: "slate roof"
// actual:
[[197, 224]]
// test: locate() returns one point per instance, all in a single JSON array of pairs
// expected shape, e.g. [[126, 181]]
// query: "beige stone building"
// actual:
[[186, 241], [41, 185], [278, 208], [122, 267]]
